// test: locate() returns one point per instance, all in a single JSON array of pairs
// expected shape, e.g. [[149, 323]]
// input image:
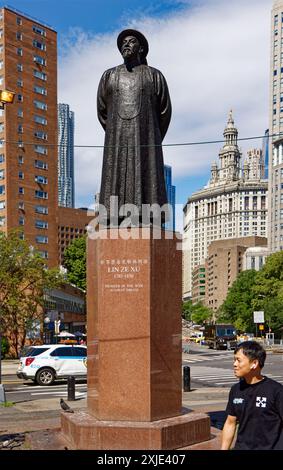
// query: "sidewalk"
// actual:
[[41, 416]]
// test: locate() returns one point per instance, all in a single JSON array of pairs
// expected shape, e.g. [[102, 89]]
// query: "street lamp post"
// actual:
[[6, 97]]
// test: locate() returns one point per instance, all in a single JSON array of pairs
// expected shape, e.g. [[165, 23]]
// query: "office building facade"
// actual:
[[66, 183], [225, 260], [28, 132], [232, 205], [275, 201]]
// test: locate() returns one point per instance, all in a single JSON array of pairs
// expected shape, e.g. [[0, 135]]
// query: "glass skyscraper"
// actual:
[[66, 184], [171, 196]]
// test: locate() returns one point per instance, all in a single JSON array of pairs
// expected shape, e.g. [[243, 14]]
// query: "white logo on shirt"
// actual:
[[261, 402], [238, 401]]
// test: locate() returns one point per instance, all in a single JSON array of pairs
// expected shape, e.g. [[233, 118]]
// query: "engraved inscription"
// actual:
[[117, 271]]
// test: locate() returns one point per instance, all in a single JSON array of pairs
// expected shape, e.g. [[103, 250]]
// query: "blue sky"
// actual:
[[213, 53]]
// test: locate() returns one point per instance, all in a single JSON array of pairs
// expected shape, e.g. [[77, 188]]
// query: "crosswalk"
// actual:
[[218, 376], [210, 357], [35, 391]]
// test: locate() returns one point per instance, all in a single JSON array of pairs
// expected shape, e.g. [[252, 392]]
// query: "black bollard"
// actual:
[[71, 388], [187, 378]]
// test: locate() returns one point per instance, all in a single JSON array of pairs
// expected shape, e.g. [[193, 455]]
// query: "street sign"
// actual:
[[259, 316]]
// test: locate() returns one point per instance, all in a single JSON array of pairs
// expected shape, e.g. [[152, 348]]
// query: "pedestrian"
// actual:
[[134, 108], [255, 404]]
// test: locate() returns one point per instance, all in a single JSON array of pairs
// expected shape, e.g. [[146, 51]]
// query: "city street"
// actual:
[[215, 368], [208, 368]]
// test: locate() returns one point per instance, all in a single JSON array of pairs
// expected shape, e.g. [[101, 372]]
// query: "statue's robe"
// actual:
[[134, 109]]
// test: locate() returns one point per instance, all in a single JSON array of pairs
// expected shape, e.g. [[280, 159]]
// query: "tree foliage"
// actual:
[[257, 290], [238, 305], [75, 262], [23, 280], [198, 313]]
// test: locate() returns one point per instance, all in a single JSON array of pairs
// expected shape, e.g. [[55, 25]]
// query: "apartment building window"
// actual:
[[20, 129], [41, 194], [43, 254], [40, 135], [21, 175], [21, 190], [39, 45], [2, 158], [40, 90], [1, 64], [21, 205], [41, 210], [41, 179], [1, 127], [2, 174], [20, 159], [19, 51], [39, 60], [1, 48], [40, 149], [39, 30], [41, 239], [2, 189], [40, 75], [20, 82], [19, 36], [20, 113], [1, 79], [40, 120], [20, 67], [2, 221], [19, 21], [1, 33], [20, 98], [2, 205], [21, 221], [40, 164], [40, 105], [41, 224]]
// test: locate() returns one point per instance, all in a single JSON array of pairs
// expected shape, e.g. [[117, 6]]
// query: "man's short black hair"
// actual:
[[253, 350]]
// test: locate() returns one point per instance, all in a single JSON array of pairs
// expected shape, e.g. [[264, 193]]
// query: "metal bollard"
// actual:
[[187, 378], [71, 388]]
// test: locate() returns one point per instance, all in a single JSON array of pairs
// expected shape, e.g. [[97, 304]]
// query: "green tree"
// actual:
[[187, 309], [23, 280], [268, 291], [201, 313], [75, 262], [238, 305]]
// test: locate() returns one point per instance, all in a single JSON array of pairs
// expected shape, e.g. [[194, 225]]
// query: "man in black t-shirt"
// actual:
[[255, 403]]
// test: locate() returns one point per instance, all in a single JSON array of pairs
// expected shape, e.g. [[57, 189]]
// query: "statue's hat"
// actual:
[[136, 34]]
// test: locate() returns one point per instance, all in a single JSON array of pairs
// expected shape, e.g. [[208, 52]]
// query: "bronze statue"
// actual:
[[134, 108]]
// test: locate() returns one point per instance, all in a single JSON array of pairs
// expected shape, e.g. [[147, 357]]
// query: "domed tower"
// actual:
[[230, 155]]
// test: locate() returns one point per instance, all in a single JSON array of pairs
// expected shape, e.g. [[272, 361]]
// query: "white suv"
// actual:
[[48, 362]]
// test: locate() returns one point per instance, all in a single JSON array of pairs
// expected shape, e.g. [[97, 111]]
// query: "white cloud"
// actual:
[[214, 56]]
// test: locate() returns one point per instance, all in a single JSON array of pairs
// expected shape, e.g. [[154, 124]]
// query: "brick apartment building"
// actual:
[[28, 132], [225, 260], [72, 224]]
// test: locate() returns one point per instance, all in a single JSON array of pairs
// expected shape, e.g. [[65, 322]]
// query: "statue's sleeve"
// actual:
[[165, 109], [101, 100]]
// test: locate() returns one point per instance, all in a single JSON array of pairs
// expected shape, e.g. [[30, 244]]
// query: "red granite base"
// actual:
[[85, 432]]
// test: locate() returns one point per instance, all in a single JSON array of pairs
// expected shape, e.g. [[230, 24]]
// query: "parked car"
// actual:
[[48, 362]]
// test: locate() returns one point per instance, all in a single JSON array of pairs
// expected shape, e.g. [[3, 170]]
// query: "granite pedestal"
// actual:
[[134, 347]]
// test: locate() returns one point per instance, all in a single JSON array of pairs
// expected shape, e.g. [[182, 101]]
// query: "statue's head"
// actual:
[[132, 44]]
